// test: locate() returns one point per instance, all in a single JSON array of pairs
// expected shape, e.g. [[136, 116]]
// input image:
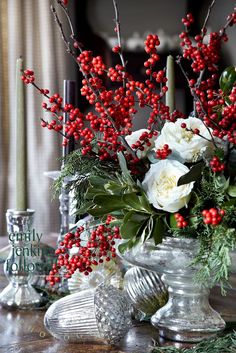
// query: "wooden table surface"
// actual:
[[23, 331]]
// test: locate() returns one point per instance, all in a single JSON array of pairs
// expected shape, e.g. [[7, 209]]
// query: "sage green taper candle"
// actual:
[[170, 74], [21, 188]]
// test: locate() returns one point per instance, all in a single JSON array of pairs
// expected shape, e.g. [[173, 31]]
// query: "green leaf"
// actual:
[[105, 204], [228, 79], [232, 190], [193, 175], [113, 188], [173, 222], [110, 201], [132, 225], [231, 202], [158, 230], [221, 182], [123, 164], [85, 208], [136, 202], [97, 181], [123, 247], [92, 192], [219, 152], [128, 245]]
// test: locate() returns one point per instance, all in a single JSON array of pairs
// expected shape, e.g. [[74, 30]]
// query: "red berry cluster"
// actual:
[[90, 64], [144, 141], [194, 131], [28, 76], [211, 104], [188, 21], [116, 49], [151, 43], [181, 221], [213, 216], [216, 165], [164, 152], [117, 74], [99, 248]]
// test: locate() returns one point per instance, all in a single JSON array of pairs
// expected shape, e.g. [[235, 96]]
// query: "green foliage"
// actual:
[[101, 190], [213, 188], [232, 190], [124, 199], [214, 255], [78, 168], [216, 242], [193, 175], [228, 79], [222, 344]]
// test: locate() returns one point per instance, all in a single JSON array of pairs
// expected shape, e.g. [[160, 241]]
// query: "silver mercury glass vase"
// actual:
[[187, 316], [19, 269]]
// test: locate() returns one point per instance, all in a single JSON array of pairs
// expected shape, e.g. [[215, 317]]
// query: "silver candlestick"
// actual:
[[18, 267], [66, 205]]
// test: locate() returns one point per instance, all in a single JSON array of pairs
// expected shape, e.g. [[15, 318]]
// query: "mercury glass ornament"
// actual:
[[145, 289], [93, 315]]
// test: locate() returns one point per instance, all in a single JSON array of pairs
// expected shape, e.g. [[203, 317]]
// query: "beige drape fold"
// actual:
[[31, 33]]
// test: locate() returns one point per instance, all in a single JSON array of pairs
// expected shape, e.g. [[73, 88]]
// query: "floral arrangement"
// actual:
[[176, 177]]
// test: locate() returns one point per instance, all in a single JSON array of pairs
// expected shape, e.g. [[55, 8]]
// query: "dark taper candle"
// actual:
[[70, 98]]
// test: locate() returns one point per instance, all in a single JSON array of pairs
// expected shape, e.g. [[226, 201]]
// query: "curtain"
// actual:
[[27, 29]]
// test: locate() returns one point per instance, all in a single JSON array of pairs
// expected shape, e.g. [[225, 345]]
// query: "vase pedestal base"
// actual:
[[19, 297], [187, 316], [185, 336]]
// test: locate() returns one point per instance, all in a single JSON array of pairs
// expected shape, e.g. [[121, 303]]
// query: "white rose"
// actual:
[[160, 185], [188, 145], [134, 137]]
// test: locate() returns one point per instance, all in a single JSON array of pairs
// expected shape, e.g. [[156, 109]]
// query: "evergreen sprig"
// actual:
[[214, 255], [77, 169], [223, 344]]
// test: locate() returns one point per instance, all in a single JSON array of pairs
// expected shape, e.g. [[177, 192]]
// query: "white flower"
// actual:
[[134, 137], [160, 185], [188, 145]]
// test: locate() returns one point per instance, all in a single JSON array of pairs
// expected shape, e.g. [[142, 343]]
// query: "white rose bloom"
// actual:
[[134, 137], [188, 145], [160, 185]]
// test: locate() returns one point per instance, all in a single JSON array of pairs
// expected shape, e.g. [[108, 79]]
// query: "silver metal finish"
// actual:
[[93, 315], [19, 269], [145, 289], [187, 316]]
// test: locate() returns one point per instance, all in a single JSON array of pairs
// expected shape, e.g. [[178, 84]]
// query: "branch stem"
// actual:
[[74, 56]]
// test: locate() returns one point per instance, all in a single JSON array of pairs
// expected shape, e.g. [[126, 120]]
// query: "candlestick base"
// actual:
[[19, 267]]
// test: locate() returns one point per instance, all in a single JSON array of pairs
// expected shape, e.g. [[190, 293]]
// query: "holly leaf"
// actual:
[[158, 230], [127, 245], [133, 224], [137, 202], [124, 168], [193, 175], [173, 222], [228, 79], [232, 190]]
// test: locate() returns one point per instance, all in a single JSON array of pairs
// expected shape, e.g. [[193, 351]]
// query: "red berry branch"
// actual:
[[99, 247], [108, 125]]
